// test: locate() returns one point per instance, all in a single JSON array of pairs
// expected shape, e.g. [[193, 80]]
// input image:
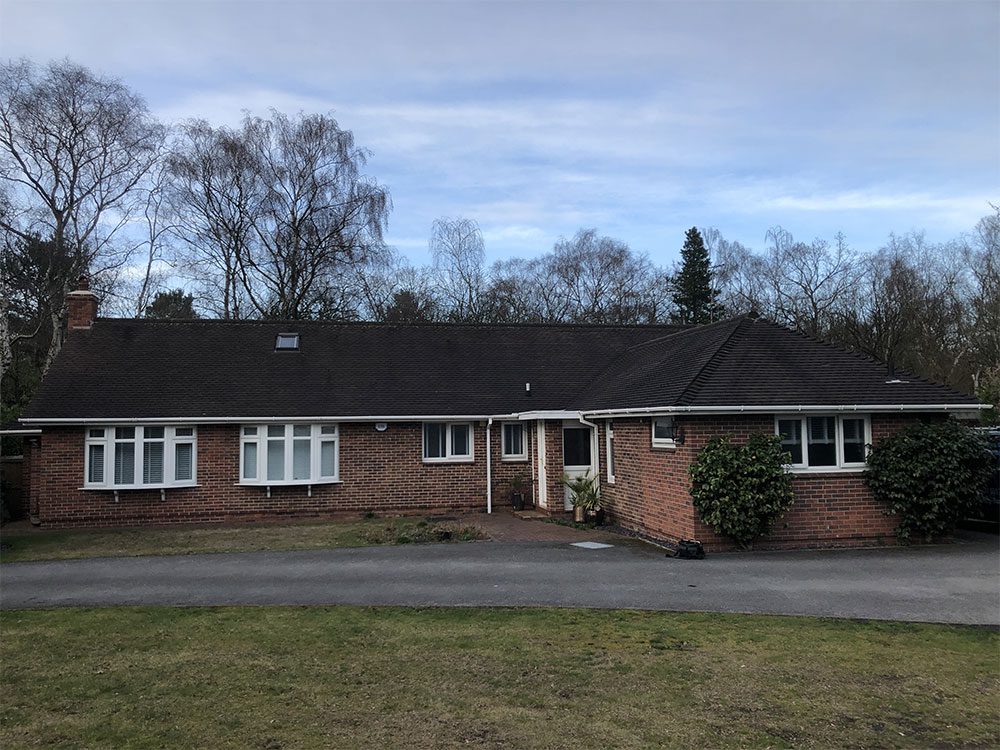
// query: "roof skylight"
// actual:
[[287, 342]]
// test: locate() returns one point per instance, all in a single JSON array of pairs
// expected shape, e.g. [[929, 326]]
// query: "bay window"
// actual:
[[289, 454], [139, 456], [824, 442], [447, 441]]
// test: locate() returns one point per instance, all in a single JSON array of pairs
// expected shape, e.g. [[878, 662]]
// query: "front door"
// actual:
[[578, 455]]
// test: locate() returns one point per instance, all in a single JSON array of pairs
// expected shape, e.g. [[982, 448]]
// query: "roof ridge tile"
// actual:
[[712, 364]]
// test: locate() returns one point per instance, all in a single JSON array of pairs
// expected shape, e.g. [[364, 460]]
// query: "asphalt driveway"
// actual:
[[957, 583]]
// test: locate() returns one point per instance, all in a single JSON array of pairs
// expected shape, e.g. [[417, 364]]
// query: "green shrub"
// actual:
[[931, 474], [740, 489]]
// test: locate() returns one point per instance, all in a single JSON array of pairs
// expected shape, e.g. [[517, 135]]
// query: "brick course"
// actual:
[[651, 493], [381, 472], [384, 473]]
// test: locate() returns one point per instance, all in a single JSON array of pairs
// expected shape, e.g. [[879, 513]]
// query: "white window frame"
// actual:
[[449, 456], [662, 442], [841, 465], [609, 450], [505, 454], [316, 439], [170, 440]]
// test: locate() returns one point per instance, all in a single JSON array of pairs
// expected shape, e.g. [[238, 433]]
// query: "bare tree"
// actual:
[[273, 212], [317, 212], [517, 292], [741, 275], [983, 258], [603, 281], [809, 282], [459, 255], [74, 147], [382, 278], [212, 196], [155, 244]]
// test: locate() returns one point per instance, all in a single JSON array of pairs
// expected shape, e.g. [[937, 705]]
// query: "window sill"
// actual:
[[136, 487], [671, 446], [514, 459], [295, 483], [437, 461], [810, 470]]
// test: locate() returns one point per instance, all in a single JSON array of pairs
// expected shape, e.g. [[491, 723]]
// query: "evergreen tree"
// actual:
[[172, 305], [694, 295]]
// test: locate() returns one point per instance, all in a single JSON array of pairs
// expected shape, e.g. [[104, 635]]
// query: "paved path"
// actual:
[[954, 583]]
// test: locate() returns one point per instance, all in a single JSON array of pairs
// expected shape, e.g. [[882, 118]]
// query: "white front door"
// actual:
[[579, 453]]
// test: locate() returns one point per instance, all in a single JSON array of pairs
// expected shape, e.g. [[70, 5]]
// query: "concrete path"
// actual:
[[955, 583]]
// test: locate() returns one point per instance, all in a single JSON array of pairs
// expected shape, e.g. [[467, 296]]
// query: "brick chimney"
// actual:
[[82, 305]]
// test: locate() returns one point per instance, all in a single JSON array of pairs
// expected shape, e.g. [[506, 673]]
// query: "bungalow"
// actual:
[[143, 421]]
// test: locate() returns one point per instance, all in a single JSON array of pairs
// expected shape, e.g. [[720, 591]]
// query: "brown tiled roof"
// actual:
[[752, 362], [190, 369]]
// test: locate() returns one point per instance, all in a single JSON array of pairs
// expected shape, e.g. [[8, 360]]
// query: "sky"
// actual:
[[638, 118]]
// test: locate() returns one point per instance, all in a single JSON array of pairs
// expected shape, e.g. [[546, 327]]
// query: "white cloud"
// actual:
[[639, 118]]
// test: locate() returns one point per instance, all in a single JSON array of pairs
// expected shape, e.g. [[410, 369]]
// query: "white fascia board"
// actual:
[[551, 414], [256, 420], [783, 409], [524, 416], [26, 431]]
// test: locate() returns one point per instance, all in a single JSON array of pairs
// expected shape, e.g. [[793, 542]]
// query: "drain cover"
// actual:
[[592, 545]]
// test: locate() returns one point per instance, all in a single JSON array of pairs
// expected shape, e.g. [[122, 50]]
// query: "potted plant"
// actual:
[[586, 496], [518, 488]]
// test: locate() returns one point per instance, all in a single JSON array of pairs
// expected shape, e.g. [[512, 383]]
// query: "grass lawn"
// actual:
[[283, 677], [64, 545]]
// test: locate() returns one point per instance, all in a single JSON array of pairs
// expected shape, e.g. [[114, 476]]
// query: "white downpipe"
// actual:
[[489, 469], [543, 491]]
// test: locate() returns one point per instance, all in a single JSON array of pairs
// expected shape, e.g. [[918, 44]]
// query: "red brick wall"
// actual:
[[651, 493], [381, 472], [556, 490], [504, 471], [384, 473]]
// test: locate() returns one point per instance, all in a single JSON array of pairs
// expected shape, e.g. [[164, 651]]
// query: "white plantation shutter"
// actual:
[[183, 462], [125, 463], [301, 464], [95, 470], [152, 462], [276, 460], [281, 454], [328, 458], [139, 455], [250, 460]]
